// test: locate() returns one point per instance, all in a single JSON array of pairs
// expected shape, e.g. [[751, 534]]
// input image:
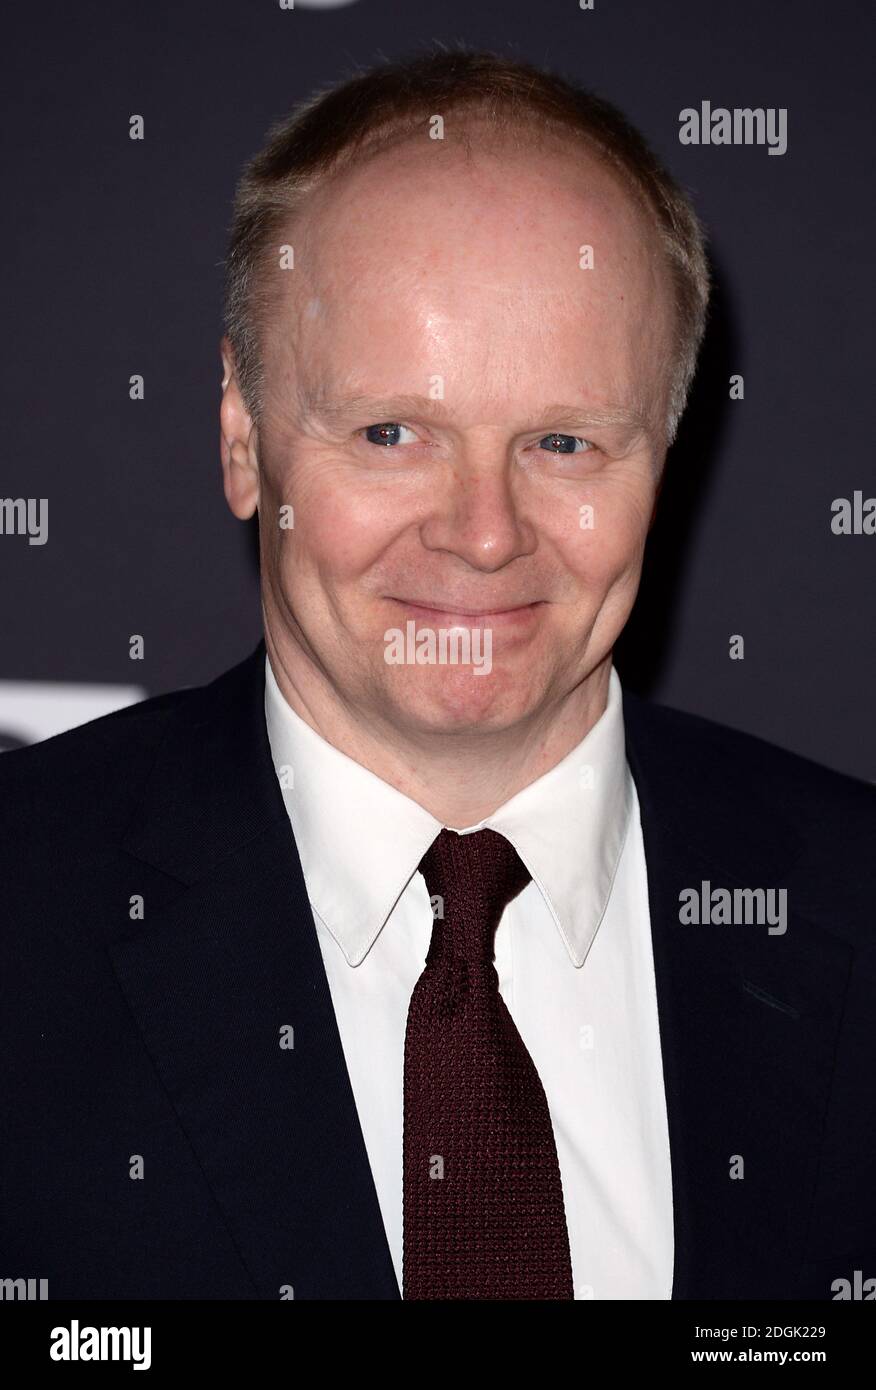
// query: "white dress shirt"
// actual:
[[575, 967]]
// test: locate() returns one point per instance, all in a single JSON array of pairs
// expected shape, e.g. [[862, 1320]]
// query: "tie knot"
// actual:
[[475, 877]]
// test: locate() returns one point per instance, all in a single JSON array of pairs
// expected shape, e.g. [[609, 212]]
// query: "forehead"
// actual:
[[493, 201], [465, 255]]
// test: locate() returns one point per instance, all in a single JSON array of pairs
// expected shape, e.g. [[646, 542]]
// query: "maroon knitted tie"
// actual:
[[483, 1201]]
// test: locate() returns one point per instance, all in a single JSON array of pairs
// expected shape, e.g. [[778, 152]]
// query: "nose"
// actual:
[[477, 515]]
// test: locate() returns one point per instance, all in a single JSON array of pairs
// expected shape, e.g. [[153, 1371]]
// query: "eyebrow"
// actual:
[[340, 411]]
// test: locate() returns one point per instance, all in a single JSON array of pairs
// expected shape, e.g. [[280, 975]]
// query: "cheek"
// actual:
[[339, 533], [605, 538]]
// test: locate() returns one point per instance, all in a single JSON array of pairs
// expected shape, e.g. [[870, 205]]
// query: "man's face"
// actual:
[[521, 390]]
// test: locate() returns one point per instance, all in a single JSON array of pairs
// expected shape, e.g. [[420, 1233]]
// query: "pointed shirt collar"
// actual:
[[360, 840]]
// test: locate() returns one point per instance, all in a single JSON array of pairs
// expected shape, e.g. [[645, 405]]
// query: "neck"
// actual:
[[459, 778]]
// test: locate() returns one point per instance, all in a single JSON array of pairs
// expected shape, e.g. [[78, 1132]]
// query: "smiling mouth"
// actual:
[[460, 614]]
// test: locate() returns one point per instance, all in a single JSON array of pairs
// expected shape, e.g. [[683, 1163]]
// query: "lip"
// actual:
[[472, 617]]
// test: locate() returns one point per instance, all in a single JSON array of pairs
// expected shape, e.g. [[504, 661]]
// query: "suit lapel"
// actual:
[[748, 1022], [225, 960]]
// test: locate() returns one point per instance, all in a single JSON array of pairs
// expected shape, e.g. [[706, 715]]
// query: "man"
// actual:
[[414, 956]]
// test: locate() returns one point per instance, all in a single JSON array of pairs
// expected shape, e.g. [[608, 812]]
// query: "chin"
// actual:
[[458, 700]]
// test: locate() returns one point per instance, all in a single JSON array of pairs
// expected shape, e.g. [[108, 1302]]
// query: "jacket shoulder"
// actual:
[[743, 793], [743, 759], [84, 779]]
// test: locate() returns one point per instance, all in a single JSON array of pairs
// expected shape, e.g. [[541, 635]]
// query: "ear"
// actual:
[[238, 442]]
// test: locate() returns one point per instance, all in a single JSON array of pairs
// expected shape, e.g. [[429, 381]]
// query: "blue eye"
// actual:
[[389, 432], [563, 443]]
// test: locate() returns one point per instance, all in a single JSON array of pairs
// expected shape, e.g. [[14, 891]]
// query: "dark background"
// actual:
[[111, 264]]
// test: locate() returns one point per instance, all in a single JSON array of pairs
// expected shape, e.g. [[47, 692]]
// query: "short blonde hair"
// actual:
[[378, 107]]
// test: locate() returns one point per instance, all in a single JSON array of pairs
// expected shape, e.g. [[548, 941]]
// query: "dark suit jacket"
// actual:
[[160, 1037]]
